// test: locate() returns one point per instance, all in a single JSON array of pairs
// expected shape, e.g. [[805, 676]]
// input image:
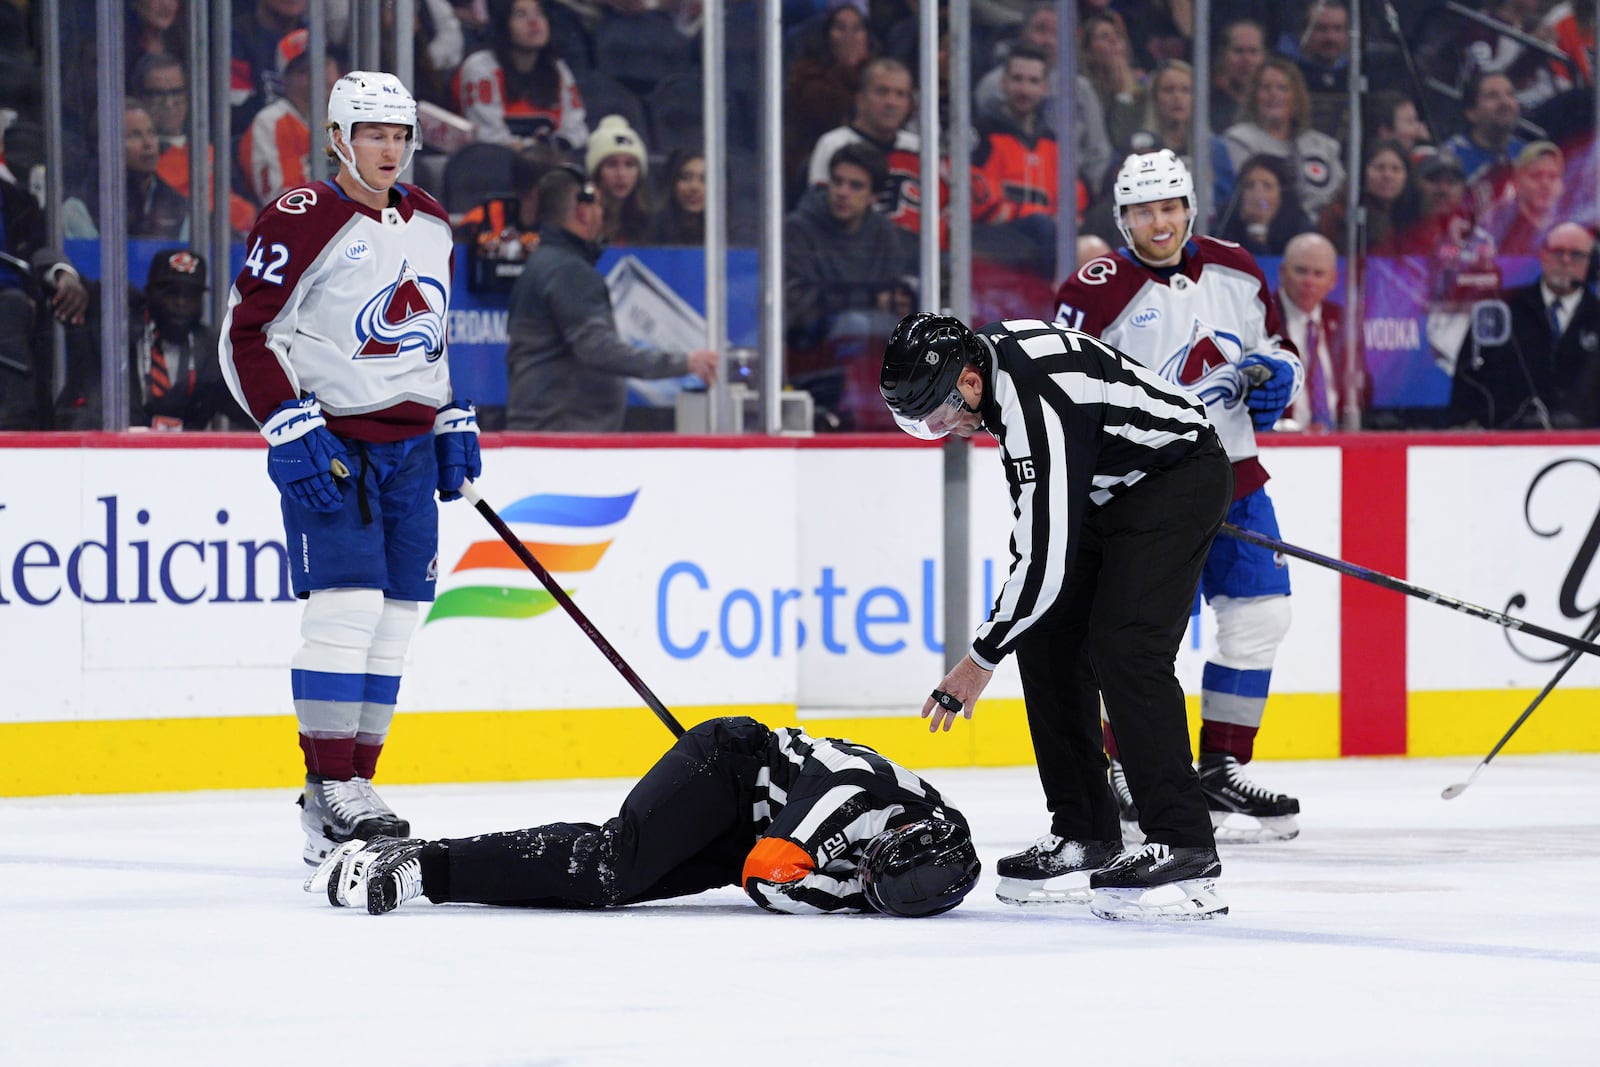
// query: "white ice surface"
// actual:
[[1399, 928]]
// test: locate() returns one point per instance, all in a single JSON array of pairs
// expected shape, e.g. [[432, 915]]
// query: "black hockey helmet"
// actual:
[[919, 869], [921, 364]]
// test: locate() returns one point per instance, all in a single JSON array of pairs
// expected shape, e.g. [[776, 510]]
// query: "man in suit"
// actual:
[[1547, 374], [1335, 394]]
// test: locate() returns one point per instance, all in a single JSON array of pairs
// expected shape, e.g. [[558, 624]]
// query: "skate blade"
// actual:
[[1174, 902], [1236, 828], [1070, 888], [318, 845], [320, 878]]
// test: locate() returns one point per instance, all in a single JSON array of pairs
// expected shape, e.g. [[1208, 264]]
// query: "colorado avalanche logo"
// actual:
[[297, 201], [402, 316], [1206, 366]]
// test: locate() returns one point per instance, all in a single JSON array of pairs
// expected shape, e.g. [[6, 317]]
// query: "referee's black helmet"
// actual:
[[922, 361], [919, 869]]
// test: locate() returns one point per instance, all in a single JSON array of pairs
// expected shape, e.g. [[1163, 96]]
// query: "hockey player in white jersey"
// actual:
[[1198, 311], [334, 342]]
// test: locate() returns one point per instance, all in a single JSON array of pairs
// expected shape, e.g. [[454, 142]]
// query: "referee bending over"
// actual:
[[1118, 486]]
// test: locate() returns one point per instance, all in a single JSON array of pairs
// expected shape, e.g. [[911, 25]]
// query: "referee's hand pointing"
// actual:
[[956, 695]]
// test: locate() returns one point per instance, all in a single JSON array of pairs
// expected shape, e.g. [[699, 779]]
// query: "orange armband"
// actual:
[[776, 860]]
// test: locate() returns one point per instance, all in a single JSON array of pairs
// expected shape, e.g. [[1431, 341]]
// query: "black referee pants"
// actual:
[[684, 828], [1114, 634]]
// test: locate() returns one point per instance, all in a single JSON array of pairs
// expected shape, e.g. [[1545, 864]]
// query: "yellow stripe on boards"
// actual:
[[252, 752], [1471, 722]]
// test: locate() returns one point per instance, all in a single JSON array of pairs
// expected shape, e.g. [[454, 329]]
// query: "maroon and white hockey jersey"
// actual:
[[1192, 325], [346, 302]]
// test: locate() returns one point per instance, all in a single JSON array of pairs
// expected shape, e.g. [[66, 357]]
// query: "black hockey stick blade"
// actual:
[[1452, 791], [1500, 618], [514, 542]]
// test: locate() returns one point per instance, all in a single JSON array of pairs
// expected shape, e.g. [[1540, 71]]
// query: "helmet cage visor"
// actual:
[[939, 422], [1126, 220]]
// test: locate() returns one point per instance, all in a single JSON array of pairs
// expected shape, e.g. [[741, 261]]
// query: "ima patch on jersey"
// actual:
[[406, 314]]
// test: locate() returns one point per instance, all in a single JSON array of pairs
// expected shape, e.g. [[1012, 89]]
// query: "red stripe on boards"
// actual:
[[1372, 674]]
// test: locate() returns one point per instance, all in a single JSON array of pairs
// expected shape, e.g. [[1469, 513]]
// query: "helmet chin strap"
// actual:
[[355, 172]]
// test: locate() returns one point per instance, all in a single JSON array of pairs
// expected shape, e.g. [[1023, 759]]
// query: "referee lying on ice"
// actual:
[[805, 825]]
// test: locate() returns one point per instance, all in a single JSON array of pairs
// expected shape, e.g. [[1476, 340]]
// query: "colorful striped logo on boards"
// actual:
[[552, 511]]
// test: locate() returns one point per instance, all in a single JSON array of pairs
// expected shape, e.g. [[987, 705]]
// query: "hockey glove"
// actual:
[[1270, 387], [455, 444], [305, 455]]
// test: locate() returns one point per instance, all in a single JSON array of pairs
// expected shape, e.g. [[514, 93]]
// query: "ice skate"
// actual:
[[381, 874], [1159, 883], [1126, 811], [333, 812], [1241, 811], [1053, 870]]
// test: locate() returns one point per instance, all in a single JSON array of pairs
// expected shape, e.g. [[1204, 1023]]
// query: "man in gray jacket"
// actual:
[[566, 364]]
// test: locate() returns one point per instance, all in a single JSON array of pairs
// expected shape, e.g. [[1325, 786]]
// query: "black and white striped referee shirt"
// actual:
[[1078, 423], [818, 802]]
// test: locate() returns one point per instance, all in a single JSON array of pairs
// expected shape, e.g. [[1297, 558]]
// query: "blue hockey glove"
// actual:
[[1271, 387], [305, 455], [455, 444]]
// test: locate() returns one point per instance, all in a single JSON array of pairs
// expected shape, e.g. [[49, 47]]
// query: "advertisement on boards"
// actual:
[[1528, 549]]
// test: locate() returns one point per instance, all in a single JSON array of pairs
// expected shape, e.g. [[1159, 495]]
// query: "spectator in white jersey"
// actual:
[[1277, 122], [1118, 486], [519, 90], [883, 105], [334, 342], [804, 825]]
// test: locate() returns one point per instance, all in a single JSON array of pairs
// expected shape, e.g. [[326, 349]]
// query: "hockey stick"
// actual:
[[1577, 644], [470, 491], [1453, 791]]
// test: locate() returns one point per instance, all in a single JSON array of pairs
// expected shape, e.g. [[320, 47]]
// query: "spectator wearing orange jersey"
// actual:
[[1014, 165], [1014, 170], [159, 80], [276, 154]]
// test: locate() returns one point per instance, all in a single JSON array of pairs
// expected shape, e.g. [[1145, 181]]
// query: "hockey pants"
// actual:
[[684, 828], [1115, 633]]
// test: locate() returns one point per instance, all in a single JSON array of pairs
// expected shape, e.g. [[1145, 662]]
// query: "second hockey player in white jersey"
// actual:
[[1198, 311]]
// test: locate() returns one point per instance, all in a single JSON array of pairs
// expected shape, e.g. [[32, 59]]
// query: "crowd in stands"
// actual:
[[514, 88]]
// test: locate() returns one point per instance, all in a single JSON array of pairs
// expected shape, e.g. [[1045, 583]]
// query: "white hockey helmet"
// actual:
[[371, 96], [1146, 178]]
